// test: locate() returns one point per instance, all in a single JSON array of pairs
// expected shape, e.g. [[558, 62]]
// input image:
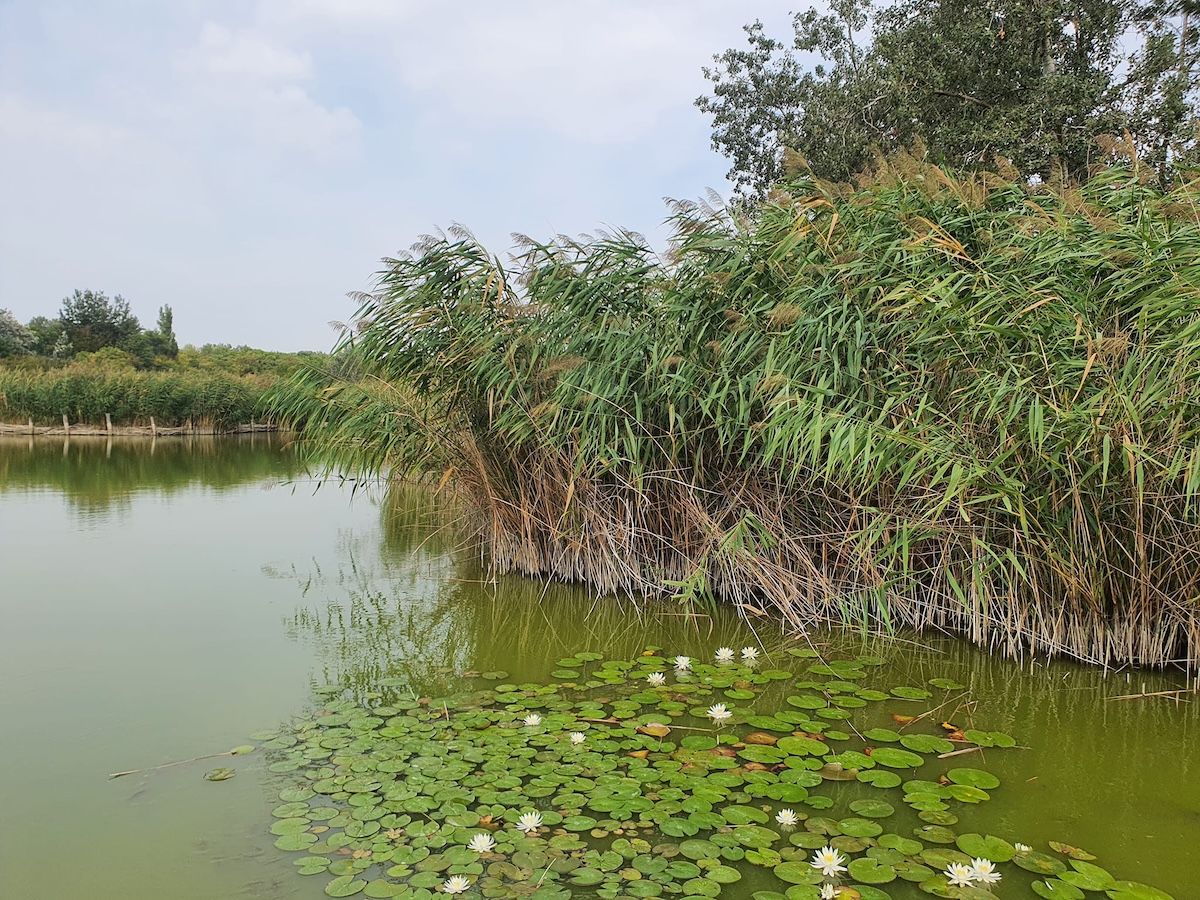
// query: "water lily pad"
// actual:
[[345, 886], [1072, 852], [1088, 876], [1053, 889], [974, 778], [871, 871], [895, 758]]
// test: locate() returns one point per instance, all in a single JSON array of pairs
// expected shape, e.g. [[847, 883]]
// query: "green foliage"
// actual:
[[1034, 83], [46, 333], [15, 338], [245, 360], [106, 382], [923, 399], [91, 321], [165, 332]]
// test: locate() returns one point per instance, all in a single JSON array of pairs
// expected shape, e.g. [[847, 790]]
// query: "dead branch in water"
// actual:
[[179, 762], [1175, 694]]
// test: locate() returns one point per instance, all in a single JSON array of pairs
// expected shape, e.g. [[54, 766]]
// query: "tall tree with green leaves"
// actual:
[[1036, 82], [166, 331], [1162, 98], [91, 321]]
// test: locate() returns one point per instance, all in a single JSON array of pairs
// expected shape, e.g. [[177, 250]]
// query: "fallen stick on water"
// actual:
[[959, 752], [179, 762], [1177, 694]]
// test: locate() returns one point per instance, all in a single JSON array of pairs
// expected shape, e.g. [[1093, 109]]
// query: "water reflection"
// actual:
[[193, 657], [98, 474], [416, 606]]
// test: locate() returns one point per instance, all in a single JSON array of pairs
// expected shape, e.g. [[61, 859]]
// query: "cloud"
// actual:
[[222, 51], [249, 161], [247, 87], [586, 71]]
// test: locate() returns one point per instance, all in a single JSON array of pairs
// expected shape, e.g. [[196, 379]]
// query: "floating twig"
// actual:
[[180, 762], [1156, 694]]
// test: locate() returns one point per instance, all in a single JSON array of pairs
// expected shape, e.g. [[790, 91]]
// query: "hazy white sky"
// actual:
[[249, 161]]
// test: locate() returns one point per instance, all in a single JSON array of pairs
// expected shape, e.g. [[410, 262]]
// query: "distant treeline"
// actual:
[[95, 360]]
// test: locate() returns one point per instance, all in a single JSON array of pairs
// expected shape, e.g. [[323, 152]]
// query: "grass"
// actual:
[[86, 393], [923, 399]]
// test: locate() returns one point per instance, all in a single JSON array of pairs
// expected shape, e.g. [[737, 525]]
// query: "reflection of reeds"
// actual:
[[441, 615], [937, 403]]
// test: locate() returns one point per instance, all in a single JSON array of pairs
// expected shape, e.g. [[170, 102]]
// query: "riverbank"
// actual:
[[953, 403], [152, 429], [93, 398]]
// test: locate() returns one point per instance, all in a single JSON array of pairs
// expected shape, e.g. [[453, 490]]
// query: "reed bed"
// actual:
[[86, 394], [919, 400]]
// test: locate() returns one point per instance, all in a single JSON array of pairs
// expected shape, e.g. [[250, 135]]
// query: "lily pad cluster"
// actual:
[[615, 780]]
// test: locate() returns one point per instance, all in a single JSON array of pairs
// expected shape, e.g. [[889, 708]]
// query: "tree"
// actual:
[[1035, 82], [166, 332], [15, 338], [46, 333], [1162, 100], [91, 320]]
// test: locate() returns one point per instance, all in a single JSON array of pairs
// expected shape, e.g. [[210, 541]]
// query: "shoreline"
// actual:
[[151, 430]]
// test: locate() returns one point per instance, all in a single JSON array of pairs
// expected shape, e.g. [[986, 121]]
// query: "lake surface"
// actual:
[[164, 600]]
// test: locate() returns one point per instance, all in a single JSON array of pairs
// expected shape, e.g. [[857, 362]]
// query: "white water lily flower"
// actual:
[[456, 884], [984, 871], [828, 892], [1022, 848], [959, 875], [578, 737], [718, 713], [787, 817], [749, 654], [725, 654], [532, 720], [829, 861], [482, 843], [658, 679], [529, 822], [683, 663]]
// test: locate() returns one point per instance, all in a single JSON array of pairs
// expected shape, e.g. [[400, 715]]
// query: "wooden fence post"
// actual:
[[31, 425], [153, 428], [108, 423], [66, 425]]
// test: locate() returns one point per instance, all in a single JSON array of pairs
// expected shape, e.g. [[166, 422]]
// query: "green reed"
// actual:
[[921, 399]]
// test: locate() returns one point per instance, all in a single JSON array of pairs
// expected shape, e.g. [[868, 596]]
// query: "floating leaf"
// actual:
[[988, 847], [1072, 852]]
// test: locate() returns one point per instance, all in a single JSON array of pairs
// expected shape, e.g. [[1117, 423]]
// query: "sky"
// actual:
[[249, 162]]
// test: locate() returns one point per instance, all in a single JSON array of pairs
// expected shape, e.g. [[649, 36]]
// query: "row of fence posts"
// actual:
[[108, 426]]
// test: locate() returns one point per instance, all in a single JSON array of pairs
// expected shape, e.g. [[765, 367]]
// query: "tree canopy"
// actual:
[[15, 338], [1035, 82], [91, 321]]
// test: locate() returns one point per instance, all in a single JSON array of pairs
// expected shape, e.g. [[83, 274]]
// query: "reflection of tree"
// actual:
[[98, 473]]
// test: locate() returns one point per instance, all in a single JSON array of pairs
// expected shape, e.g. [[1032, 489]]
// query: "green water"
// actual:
[[163, 600]]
